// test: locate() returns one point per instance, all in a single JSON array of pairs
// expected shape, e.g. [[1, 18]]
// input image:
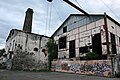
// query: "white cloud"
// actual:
[[13, 14]]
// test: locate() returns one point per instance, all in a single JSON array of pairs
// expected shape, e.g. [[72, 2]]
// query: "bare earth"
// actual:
[[22, 75]]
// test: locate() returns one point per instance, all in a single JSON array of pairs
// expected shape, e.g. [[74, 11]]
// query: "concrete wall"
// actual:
[[114, 29], [82, 36], [81, 29], [98, 67], [76, 21], [28, 42]]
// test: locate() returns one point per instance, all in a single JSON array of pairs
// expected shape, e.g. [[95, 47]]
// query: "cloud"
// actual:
[[13, 14]]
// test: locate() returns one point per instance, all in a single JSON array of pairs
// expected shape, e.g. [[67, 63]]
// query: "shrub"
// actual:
[[52, 50], [91, 56]]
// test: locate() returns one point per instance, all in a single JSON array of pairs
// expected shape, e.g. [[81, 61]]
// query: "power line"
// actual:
[[78, 3], [109, 8], [57, 12], [50, 16], [84, 7], [47, 18]]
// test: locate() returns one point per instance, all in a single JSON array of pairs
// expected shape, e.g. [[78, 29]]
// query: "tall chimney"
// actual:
[[27, 27]]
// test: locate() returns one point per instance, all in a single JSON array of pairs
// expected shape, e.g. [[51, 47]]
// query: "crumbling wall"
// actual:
[[26, 61]]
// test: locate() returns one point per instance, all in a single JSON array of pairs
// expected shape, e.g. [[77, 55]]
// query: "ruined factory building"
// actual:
[[79, 34], [27, 41]]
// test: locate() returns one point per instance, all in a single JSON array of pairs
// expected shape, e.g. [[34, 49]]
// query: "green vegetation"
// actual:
[[91, 56], [52, 50]]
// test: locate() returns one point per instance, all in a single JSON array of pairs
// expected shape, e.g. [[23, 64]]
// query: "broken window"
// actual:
[[83, 49], [10, 55], [62, 42], [64, 29], [36, 49], [72, 49], [44, 51], [113, 43], [119, 40], [56, 52], [112, 27], [96, 44]]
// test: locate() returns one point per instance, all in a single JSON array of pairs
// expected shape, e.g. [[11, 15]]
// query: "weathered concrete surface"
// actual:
[[22, 75], [91, 67]]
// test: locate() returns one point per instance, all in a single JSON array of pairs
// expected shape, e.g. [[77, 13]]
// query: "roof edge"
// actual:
[[75, 15], [85, 15], [25, 32]]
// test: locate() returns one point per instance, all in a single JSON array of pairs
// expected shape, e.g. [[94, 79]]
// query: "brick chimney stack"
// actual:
[[27, 27]]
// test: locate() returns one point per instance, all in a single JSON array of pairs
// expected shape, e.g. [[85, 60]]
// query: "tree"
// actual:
[[52, 50], [2, 51]]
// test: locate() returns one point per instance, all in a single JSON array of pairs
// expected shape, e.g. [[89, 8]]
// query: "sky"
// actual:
[[12, 14]]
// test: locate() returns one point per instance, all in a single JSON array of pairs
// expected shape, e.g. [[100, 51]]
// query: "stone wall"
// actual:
[[26, 61], [93, 67]]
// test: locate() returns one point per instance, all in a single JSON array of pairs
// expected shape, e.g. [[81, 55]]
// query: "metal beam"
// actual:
[[49, 0], [73, 5]]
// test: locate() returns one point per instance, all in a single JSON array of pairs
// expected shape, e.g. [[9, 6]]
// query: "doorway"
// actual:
[[96, 44], [72, 49]]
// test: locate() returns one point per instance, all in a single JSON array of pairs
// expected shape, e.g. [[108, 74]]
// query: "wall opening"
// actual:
[[10, 55], [83, 49], [62, 42], [113, 43], [65, 29], [119, 40], [35, 49], [72, 49], [56, 52], [96, 44], [44, 51]]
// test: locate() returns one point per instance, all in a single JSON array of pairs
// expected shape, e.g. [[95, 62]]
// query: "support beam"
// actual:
[[76, 7], [49, 0], [106, 32]]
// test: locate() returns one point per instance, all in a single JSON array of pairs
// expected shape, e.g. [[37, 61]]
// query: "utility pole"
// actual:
[[76, 7]]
